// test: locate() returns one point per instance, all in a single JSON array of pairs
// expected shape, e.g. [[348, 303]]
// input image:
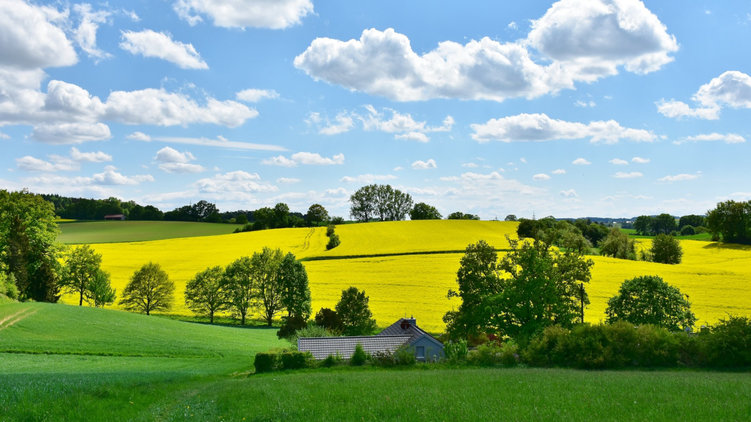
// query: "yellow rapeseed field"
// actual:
[[716, 278]]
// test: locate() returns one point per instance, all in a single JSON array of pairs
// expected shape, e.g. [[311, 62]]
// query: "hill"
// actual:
[[80, 232]]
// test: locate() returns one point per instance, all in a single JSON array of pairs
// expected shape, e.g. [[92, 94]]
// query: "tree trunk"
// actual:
[[211, 316], [243, 319]]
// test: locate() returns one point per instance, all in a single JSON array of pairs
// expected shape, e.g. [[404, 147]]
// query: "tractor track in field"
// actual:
[[308, 236], [10, 320]]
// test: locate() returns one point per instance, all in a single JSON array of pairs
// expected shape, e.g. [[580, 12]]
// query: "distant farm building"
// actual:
[[114, 217], [402, 333]]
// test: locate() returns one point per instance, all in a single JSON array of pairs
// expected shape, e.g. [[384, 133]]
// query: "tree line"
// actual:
[[384, 203]]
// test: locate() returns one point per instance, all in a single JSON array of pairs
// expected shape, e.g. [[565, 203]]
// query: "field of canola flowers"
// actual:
[[717, 278]]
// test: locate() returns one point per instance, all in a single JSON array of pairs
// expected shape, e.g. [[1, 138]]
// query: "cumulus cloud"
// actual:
[[272, 14], [368, 178], [110, 176], [387, 120], [618, 162], [424, 165], [139, 136], [579, 40], [683, 177], [33, 164], [539, 127], [640, 160], [85, 33], [581, 162], [304, 158], [219, 142], [342, 123], [540, 177], [730, 89], [160, 45], [31, 38], [70, 133], [256, 95], [173, 161], [569, 193], [235, 182], [728, 138], [287, 180], [91, 157], [559, 171], [628, 175]]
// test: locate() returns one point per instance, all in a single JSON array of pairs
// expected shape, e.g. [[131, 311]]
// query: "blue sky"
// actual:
[[571, 108]]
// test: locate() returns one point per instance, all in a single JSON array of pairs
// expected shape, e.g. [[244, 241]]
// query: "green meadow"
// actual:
[[78, 232], [60, 362]]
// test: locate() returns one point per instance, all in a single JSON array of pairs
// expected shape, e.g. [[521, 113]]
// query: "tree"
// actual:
[[355, 313], [28, 247], [618, 245], [650, 300], [533, 286], [423, 211], [458, 215], [731, 221], [281, 215], [99, 291], [382, 201], [329, 319], [267, 296], [666, 250], [295, 290], [81, 268], [239, 285], [363, 203], [316, 215], [205, 293], [664, 224], [149, 289], [510, 217], [691, 220], [644, 225]]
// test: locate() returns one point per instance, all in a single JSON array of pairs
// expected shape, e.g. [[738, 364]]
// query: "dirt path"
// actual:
[[18, 316]]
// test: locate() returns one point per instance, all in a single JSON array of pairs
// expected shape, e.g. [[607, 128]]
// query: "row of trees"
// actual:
[[731, 222], [96, 209], [381, 202]]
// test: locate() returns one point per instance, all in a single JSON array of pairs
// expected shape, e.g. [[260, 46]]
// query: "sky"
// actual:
[[609, 108]]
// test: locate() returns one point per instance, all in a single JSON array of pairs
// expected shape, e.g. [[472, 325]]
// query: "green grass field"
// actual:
[[78, 232], [705, 237], [60, 362]]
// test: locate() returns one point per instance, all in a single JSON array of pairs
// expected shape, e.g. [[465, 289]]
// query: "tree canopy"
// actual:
[[316, 215], [81, 268], [650, 300], [205, 293], [666, 249], [423, 211], [731, 222], [354, 312], [380, 201], [618, 245], [149, 289], [533, 286]]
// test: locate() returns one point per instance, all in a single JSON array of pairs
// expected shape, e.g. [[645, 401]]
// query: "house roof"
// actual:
[[322, 347], [407, 327]]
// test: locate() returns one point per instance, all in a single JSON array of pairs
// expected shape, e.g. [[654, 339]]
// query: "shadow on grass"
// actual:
[[222, 322], [729, 246]]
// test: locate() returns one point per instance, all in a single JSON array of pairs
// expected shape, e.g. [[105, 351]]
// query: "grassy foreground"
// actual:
[[79, 232]]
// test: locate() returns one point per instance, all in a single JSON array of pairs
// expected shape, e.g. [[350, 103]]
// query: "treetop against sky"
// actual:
[[571, 108]]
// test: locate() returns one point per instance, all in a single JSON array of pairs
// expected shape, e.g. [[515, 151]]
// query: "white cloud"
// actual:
[[728, 138], [91, 157], [540, 177], [139, 136], [569, 193], [581, 162], [583, 104], [256, 95], [272, 14], [580, 40], [344, 123], [110, 176], [235, 182], [403, 126], [559, 171], [161, 108], [368, 178], [424, 165], [470, 165], [628, 175], [160, 45], [730, 89], [640, 160], [304, 158], [618, 162], [539, 127], [70, 133], [29, 163], [683, 177], [85, 33], [413, 136], [219, 142], [30, 38], [287, 180], [173, 161]]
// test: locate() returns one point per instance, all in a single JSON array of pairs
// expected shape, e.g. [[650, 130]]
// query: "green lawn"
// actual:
[[707, 237], [93, 364], [135, 231]]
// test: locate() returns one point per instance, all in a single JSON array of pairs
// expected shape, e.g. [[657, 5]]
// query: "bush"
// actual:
[[337, 220], [291, 326], [329, 319], [666, 249], [359, 357], [547, 349], [333, 241], [296, 360], [265, 362], [330, 230], [488, 354], [650, 300], [332, 360], [618, 245], [403, 356], [8, 286], [311, 330], [729, 343], [688, 231], [456, 352], [509, 354]]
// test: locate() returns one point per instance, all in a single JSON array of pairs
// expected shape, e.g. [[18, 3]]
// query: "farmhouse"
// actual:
[[114, 217], [402, 333]]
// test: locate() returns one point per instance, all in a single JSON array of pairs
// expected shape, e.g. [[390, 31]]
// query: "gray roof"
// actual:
[[322, 347], [407, 327]]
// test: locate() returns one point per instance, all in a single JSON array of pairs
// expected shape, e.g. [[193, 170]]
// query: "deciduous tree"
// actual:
[[355, 313], [650, 300], [731, 221], [239, 285], [295, 290], [205, 292], [316, 215], [423, 211], [666, 249], [100, 291], [618, 245], [267, 295], [149, 289], [82, 266]]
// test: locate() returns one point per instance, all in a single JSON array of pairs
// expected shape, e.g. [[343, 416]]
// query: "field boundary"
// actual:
[[381, 255]]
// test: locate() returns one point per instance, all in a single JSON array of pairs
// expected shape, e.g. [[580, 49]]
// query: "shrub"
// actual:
[[329, 319], [729, 343], [688, 231], [456, 351], [330, 230], [509, 354], [311, 330], [488, 354], [265, 362], [337, 220], [291, 326], [383, 358], [666, 249], [8, 285], [359, 357], [547, 349], [332, 360], [405, 356], [618, 245], [650, 300], [333, 241], [295, 360]]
